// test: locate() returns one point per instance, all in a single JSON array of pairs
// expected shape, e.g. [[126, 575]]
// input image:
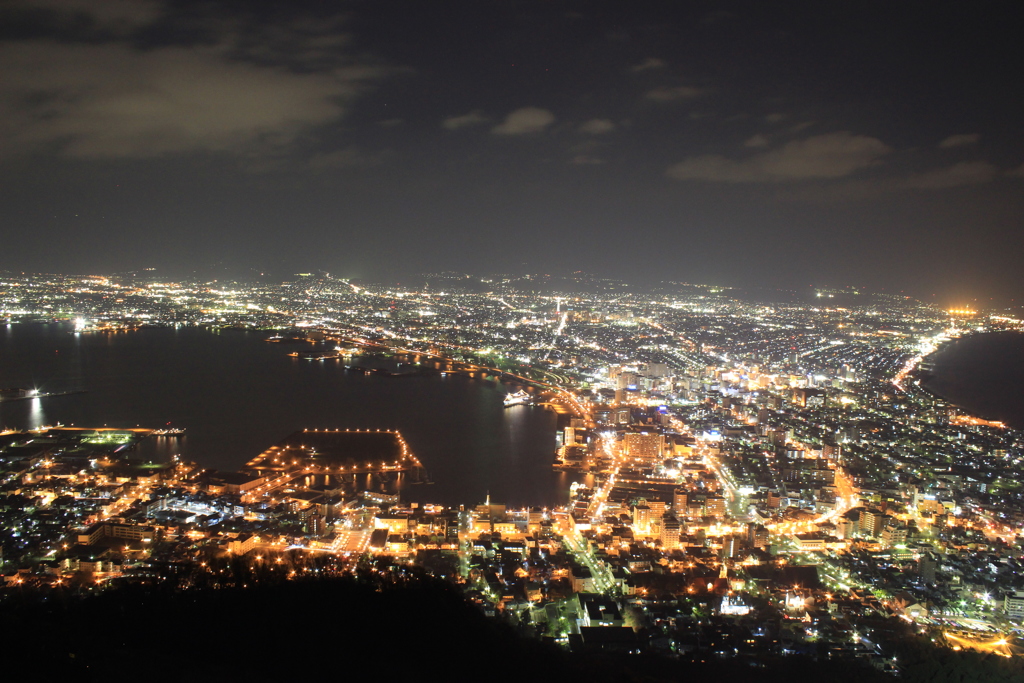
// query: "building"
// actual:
[[1013, 604], [595, 609], [670, 531], [647, 447], [870, 523], [679, 498], [242, 544], [894, 535], [809, 472], [642, 517], [129, 532], [757, 536], [714, 506]]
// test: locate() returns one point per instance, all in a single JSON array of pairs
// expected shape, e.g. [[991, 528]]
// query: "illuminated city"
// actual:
[[570, 340], [730, 458]]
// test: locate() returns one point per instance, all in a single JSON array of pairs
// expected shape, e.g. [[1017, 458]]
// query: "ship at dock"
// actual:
[[168, 431], [19, 394], [519, 398]]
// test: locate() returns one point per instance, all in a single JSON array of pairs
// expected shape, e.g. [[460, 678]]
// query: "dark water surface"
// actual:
[[984, 374], [236, 395]]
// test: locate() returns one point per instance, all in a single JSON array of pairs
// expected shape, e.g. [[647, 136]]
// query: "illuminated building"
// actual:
[[642, 517], [733, 606], [757, 536], [1014, 605], [670, 530], [597, 610], [646, 447], [242, 544], [811, 471], [714, 506], [130, 532], [315, 524], [893, 535], [870, 522]]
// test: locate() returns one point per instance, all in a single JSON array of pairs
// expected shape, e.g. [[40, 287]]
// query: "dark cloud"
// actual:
[[834, 155], [473, 118], [346, 158], [959, 140], [115, 101], [597, 127], [867, 190], [648, 64], [964, 173], [525, 121], [673, 94], [111, 97], [114, 16]]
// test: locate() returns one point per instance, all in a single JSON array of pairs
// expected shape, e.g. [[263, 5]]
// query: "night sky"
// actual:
[[774, 144]]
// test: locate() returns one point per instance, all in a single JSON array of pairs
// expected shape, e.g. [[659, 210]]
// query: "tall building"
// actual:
[[670, 531], [642, 517], [871, 522], [648, 447], [315, 524], [926, 567], [679, 497]]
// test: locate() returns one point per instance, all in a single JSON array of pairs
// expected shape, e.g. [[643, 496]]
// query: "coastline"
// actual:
[[926, 372], [188, 383]]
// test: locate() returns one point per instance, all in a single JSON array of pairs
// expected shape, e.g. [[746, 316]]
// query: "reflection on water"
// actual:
[[237, 395], [160, 448], [36, 416]]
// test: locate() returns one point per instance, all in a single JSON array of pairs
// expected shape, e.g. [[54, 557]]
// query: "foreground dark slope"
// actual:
[[412, 630]]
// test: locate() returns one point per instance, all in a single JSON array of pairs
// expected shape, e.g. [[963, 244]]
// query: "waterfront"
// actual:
[[983, 374], [695, 458], [236, 395]]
